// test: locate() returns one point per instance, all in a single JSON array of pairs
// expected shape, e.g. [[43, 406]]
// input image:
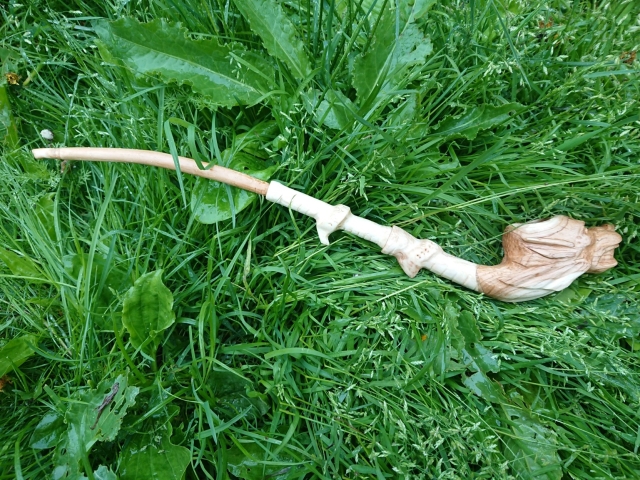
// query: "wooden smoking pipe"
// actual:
[[541, 257]]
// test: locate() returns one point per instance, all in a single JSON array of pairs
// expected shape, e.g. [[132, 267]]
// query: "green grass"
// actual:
[[314, 361]]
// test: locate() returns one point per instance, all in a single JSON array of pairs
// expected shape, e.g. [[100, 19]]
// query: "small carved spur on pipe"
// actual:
[[541, 257]]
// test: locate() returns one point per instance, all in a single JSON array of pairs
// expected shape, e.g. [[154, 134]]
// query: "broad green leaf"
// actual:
[[405, 113], [532, 448], [481, 358], [21, 266], [48, 432], [45, 213], [84, 428], [15, 352], [33, 169], [227, 75], [485, 388], [384, 67], [147, 311], [334, 111], [278, 33], [474, 352], [104, 473], [213, 202], [254, 463], [107, 279], [454, 336], [145, 459], [234, 394], [468, 327], [474, 120], [8, 128], [225, 383]]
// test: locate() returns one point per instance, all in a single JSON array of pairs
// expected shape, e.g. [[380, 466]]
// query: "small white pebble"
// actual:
[[47, 134]]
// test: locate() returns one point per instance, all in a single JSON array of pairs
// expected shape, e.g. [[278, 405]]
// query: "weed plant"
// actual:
[[283, 358]]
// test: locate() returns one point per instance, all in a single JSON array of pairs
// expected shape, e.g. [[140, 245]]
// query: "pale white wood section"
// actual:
[[414, 254], [329, 218], [540, 257]]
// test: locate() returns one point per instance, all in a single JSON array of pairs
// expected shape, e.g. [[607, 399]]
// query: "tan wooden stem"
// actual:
[[156, 159]]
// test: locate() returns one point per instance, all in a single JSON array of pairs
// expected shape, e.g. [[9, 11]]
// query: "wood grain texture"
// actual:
[[156, 159], [546, 256]]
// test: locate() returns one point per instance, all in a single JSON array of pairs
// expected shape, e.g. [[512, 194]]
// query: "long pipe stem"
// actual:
[[156, 159]]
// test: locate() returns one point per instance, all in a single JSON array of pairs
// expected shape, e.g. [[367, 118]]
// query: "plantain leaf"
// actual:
[[383, 68], [475, 119], [147, 311], [21, 266], [149, 460], [213, 202], [227, 75], [84, 428], [278, 33], [15, 352]]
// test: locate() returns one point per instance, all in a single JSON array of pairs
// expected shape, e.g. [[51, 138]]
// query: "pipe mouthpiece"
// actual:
[[45, 153]]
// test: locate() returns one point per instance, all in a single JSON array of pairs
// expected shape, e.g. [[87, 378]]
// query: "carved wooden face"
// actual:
[[604, 242], [546, 256], [548, 241], [562, 239]]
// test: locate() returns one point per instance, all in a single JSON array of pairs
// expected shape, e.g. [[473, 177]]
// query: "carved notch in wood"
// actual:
[[546, 256]]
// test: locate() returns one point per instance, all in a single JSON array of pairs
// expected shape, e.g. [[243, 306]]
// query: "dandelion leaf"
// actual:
[[269, 21], [384, 67], [48, 432], [485, 388], [104, 473], [227, 75], [532, 448], [474, 352]]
